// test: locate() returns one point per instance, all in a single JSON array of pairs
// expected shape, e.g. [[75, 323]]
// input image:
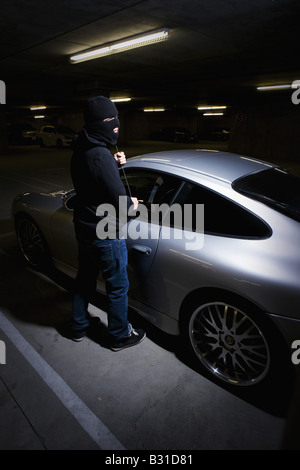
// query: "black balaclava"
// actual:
[[96, 110]]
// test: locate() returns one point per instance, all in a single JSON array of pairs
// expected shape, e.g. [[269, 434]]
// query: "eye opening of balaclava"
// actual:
[[101, 120]]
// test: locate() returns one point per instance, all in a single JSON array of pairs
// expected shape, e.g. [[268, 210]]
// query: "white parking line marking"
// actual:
[[85, 417]]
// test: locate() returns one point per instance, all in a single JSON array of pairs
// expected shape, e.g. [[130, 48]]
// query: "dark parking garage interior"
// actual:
[[227, 78]]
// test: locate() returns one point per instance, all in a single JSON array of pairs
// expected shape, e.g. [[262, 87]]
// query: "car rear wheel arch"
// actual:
[[258, 347]]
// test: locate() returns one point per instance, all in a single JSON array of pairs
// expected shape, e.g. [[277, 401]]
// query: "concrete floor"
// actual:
[[57, 394]]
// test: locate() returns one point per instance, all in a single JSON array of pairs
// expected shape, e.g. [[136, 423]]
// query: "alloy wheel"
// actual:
[[31, 242], [229, 343]]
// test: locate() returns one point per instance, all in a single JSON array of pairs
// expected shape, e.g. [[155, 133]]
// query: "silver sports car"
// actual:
[[232, 291]]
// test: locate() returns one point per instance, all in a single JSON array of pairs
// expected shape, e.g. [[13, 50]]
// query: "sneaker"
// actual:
[[133, 338], [78, 335]]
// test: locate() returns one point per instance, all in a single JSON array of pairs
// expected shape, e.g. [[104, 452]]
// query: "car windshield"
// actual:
[[274, 187]]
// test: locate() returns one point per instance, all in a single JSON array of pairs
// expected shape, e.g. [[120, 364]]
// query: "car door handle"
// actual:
[[143, 249]]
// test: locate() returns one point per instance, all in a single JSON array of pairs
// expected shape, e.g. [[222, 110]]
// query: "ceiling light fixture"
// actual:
[[153, 110], [204, 108], [213, 114], [120, 100], [37, 108], [39, 117], [274, 87], [140, 40]]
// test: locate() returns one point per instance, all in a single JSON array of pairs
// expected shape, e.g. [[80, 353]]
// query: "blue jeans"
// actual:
[[109, 257]]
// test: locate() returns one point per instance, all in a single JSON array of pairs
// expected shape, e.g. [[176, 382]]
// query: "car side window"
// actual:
[[150, 187], [222, 216]]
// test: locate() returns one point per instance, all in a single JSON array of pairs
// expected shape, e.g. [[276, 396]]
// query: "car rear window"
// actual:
[[275, 187], [222, 217]]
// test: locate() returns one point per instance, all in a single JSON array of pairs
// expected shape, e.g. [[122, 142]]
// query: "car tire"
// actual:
[[59, 143], [233, 340], [32, 243]]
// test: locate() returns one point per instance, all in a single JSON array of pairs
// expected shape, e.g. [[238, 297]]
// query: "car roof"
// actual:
[[221, 165]]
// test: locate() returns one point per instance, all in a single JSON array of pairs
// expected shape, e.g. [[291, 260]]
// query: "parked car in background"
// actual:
[[174, 134], [55, 136], [21, 133], [234, 299], [219, 133]]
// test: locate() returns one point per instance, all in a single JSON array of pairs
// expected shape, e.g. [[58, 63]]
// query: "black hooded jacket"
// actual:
[[96, 180]]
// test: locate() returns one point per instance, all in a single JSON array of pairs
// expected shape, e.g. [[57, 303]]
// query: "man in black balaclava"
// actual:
[[97, 181]]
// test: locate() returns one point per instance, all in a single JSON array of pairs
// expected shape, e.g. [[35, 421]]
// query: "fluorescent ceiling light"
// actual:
[[37, 108], [273, 87], [122, 45], [120, 100], [204, 108], [39, 117], [152, 110], [213, 114]]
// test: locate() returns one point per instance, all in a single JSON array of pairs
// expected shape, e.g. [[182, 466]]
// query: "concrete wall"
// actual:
[[139, 125], [268, 127]]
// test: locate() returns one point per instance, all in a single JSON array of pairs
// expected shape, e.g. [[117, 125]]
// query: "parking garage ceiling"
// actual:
[[217, 49]]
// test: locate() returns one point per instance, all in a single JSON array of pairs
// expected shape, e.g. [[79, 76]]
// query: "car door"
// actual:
[[45, 136], [141, 243], [51, 137], [153, 189]]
